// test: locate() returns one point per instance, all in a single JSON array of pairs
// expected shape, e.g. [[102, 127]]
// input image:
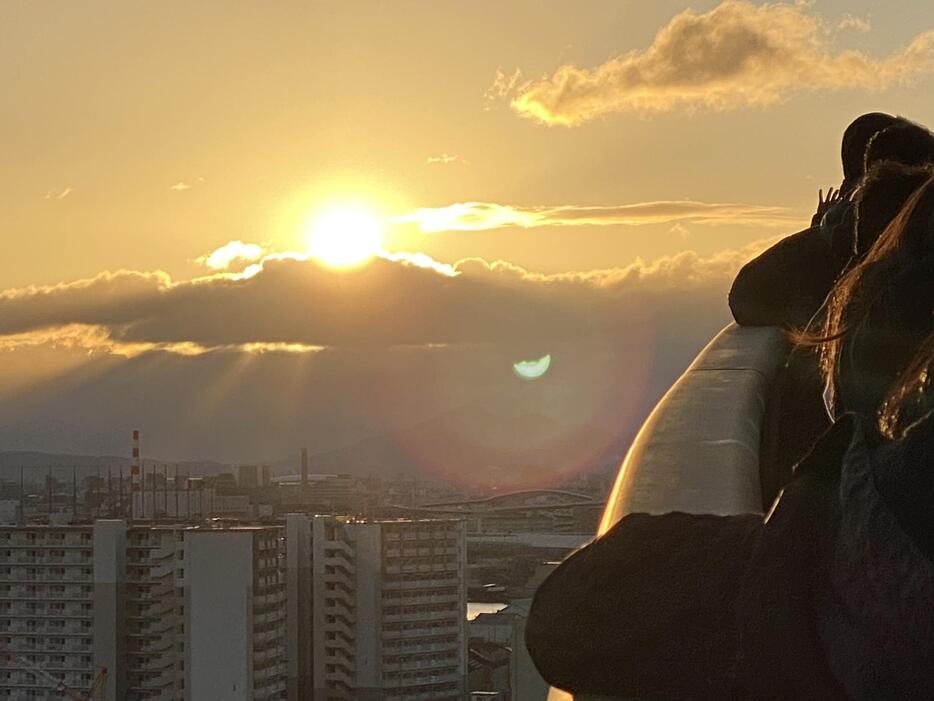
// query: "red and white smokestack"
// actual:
[[136, 479]]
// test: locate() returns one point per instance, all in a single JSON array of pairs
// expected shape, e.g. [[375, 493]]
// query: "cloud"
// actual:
[[854, 23], [421, 260], [482, 216], [183, 185], [444, 159], [299, 304], [232, 252], [737, 55], [59, 194], [680, 230], [245, 368]]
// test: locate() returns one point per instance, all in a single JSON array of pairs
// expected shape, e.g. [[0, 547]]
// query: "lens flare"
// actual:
[[532, 369]]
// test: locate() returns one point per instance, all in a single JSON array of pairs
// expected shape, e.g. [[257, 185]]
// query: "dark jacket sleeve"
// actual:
[[780, 652], [785, 285], [905, 478], [646, 610]]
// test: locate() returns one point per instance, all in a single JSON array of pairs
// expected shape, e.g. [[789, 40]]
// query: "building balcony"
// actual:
[[411, 686], [46, 646], [340, 626], [157, 663], [436, 581], [44, 627], [58, 668], [454, 628], [405, 647], [698, 451], [422, 599], [44, 576], [46, 558], [156, 646], [420, 665], [417, 616], [71, 612], [340, 575]]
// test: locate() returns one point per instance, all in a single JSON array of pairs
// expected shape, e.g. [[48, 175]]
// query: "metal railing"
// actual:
[[698, 451]]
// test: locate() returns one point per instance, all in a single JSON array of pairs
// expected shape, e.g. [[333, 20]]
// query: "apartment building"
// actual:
[[380, 609], [171, 612], [47, 609]]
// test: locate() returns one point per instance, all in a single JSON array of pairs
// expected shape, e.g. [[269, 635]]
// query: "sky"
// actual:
[[562, 177]]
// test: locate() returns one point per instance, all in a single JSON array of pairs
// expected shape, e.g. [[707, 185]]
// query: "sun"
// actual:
[[344, 236]]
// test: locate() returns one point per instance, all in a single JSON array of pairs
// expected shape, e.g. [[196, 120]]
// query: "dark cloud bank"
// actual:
[[412, 368]]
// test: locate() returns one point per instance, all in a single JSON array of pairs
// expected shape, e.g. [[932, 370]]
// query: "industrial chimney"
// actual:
[[304, 469]]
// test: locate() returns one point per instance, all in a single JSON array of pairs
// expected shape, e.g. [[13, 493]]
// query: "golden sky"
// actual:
[[616, 156], [259, 113]]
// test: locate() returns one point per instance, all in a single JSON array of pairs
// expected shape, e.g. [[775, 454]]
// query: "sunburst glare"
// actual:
[[344, 236]]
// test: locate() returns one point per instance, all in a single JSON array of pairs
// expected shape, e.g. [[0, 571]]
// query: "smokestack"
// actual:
[[136, 481], [304, 468]]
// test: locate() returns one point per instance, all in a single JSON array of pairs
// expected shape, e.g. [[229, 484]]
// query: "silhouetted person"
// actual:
[[831, 596], [905, 142], [796, 416], [856, 138], [786, 284], [881, 195]]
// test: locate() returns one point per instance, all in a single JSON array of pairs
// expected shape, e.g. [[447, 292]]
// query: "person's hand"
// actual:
[[825, 203]]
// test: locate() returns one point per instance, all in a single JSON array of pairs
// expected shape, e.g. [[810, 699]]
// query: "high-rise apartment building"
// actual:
[[324, 609], [47, 609], [171, 612], [379, 609]]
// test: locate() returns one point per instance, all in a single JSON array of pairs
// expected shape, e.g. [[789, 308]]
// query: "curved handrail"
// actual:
[[698, 451]]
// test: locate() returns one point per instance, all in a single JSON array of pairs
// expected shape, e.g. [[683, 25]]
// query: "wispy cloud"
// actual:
[[482, 216], [183, 185], [854, 23], [232, 252], [503, 85], [59, 194], [680, 230], [444, 159], [739, 54]]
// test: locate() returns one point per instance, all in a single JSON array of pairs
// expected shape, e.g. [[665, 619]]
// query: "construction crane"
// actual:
[[95, 693]]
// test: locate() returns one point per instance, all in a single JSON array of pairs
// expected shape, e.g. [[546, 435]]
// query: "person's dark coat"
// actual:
[[830, 597], [786, 285]]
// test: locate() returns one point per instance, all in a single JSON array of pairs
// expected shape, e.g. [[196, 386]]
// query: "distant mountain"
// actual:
[[470, 446], [475, 447]]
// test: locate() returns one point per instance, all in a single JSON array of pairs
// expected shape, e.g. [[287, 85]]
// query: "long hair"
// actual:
[[910, 401], [878, 319]]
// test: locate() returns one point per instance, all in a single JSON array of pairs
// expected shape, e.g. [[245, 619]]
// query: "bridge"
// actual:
[[543, 511], [523, 499]]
